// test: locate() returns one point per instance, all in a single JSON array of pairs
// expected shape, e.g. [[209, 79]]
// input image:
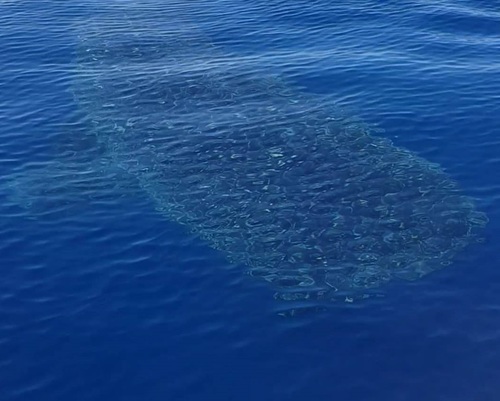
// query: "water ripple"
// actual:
[[103, 298]]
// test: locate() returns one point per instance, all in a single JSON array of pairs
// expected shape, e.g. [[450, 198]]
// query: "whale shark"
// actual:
[[280, 181]]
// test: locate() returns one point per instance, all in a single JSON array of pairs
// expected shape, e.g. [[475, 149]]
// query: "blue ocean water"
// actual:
[[103, 297]]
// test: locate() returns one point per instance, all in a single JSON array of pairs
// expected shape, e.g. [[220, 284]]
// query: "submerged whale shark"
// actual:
[[278, 180]]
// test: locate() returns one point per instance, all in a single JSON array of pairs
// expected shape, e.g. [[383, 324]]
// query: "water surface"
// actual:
[[103, 296]]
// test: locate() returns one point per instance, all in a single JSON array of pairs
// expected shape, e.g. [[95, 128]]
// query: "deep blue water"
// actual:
[[102, 297]]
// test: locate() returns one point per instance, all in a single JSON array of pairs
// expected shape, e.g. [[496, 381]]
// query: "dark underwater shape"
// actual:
[[277, 180]]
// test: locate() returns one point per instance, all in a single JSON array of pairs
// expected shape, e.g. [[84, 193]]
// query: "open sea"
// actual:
[[147, 251]]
